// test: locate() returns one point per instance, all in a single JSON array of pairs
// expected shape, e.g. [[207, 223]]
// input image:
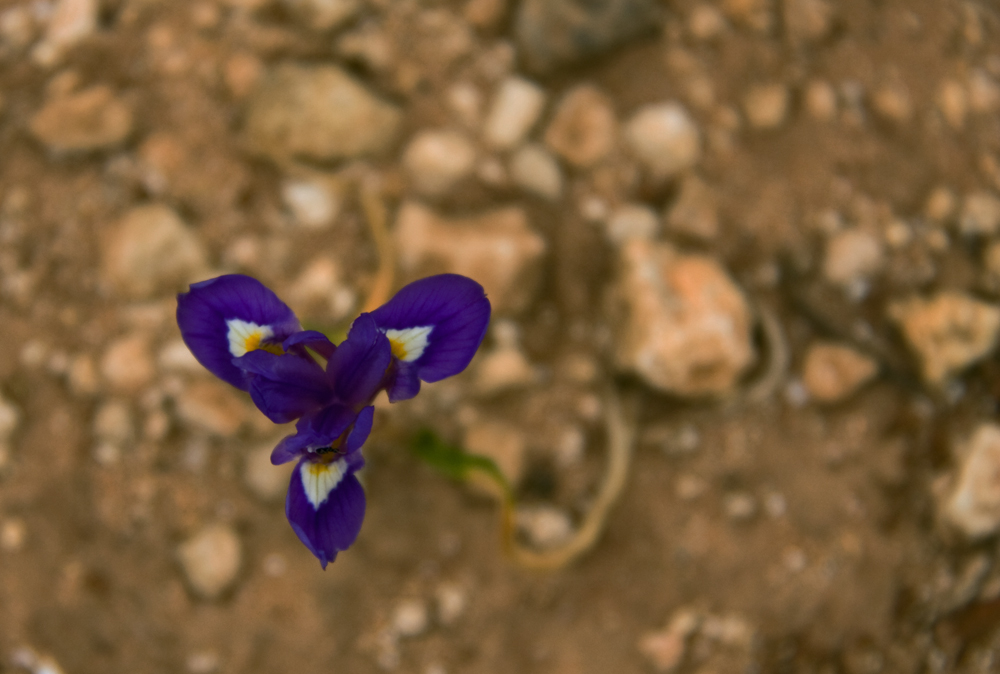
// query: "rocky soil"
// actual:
[[771, 227]]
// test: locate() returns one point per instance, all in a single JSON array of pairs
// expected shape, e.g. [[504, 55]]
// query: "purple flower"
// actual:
[[241, 332]]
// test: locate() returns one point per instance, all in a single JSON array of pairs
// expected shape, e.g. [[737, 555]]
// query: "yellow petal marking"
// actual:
[[409, 344], [319, 479], [245, 336]]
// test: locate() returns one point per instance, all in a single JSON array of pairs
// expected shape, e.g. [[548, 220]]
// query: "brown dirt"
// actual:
[[846, 576]]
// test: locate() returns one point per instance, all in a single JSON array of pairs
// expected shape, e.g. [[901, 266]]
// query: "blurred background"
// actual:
[[770, 229]]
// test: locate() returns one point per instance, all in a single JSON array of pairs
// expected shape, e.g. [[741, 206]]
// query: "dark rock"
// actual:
[[554, 33]]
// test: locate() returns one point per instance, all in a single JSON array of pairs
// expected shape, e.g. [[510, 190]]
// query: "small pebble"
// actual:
[[127, 364], [82, 375], [852, 255], [409, 619], [948, 331], [632, 221], [545, 527], [13, 533], [211, 560], [312, 203], [953, 103], [980, 215], [766, 105], [516, 107], [113, 422], [10, 417], [973, 506], [451, 600], [892, 103], [941, 204], [583, 129], [694, 213], [438, 159], [664, 138], [706, 22], [832, 372], [535, 170], [740, 507], [92, 119], [821, 101]]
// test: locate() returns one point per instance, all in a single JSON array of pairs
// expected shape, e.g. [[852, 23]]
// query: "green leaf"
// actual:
[[455, 462]]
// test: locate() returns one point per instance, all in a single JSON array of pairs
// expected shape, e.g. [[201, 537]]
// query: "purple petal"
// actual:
[[404, 383], [322, 429], [359, 364], [457, 311], [203, 314], [362, 429], [333, 525], [311, 339], [285, 387]]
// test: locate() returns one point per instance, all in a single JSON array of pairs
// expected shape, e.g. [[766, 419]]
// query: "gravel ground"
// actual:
[[768, 231]]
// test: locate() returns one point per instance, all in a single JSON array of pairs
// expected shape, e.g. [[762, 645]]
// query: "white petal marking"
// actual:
[[409, 344], [319, 479], [245, 336]]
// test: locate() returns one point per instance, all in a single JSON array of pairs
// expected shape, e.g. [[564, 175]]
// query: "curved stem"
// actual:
[[377, 216], [620, 446]]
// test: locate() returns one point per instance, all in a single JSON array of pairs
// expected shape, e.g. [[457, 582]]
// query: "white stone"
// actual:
[[312, 203], [980, 214], [664, 138], [948, 331], [740, 506], [451, 602], [211, 560], [632, 221], [150, 250], [680, 323], [535, 170], [852, 255], [436, 160], [409, 619], [544, 526], [516, 107], [973, 506]]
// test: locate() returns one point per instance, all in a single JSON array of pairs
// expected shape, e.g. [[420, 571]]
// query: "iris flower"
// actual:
[[242, 333]]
